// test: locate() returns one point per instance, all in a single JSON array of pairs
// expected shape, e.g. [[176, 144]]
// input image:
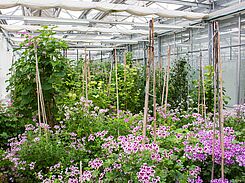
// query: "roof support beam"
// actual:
[[62, 21], [183, 2], [104, 7]]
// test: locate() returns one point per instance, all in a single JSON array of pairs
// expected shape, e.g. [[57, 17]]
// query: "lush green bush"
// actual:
[[55, 75], [179, 85], [11, 124]]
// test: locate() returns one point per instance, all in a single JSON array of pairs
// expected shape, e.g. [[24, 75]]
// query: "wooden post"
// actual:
[[109, 83], [199, 87], [125, 65], [219, 88], [168, 72], [203, 89], [147, 85], [86, 74], [215, 107], [39, 88], [38, 94], [154, 83], [164, 83], [115, 58], [221, 117]]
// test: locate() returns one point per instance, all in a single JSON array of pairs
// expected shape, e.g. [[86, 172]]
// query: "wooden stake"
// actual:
[[154, 83], [109, 83], [219, 88], [199, 87], [221, 117], [38, 94], [168, 72], [214, 120], [39, 88], [164, 82], [125, 65], [203, 89], [115, 58], [86, 75], [147, 85], [81, 171]]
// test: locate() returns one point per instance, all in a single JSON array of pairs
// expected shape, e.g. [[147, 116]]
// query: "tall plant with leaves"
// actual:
[[55, 73], [209, 90], [179, 84]]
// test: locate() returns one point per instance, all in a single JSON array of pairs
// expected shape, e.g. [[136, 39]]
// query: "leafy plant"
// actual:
[[209, 90], [55, 74], [11, 124], [179, 84]]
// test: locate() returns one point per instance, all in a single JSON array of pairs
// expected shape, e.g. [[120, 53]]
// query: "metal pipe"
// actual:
[[196, 51]]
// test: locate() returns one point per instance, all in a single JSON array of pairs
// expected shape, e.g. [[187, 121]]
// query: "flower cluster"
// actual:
[[96, 163], [147, 174], [86, 176], [220, 181], [234, 152]]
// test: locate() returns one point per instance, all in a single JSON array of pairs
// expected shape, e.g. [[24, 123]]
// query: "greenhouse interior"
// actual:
[[122, 91]]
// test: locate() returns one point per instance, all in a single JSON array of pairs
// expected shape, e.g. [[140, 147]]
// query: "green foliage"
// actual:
[[103, 94], [55, 74], [179, 84], [11, 124], [209, 90]]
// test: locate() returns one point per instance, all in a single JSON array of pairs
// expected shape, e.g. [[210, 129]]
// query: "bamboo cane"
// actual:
[[38, 94], [147, 85], [160, 72], [214, 119], [154, 83], [199, 87], [164, 83], [115, 57], [39, 88], [125, 65], [81, 171], [86, 75], [203, 90], [110, 75], [88, 65], [221, 117], [168, 72]]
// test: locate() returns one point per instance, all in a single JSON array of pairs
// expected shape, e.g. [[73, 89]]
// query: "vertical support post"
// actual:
[[101, 59], [115, 59], [159, 53], [154, 83], [147, 85], [159, 41], [218, 74], [125, 65], [210, 43], [77, 55], [238, 77], [191, 41], [168, 72], [203, 89], [86, 74], [144, 53]]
